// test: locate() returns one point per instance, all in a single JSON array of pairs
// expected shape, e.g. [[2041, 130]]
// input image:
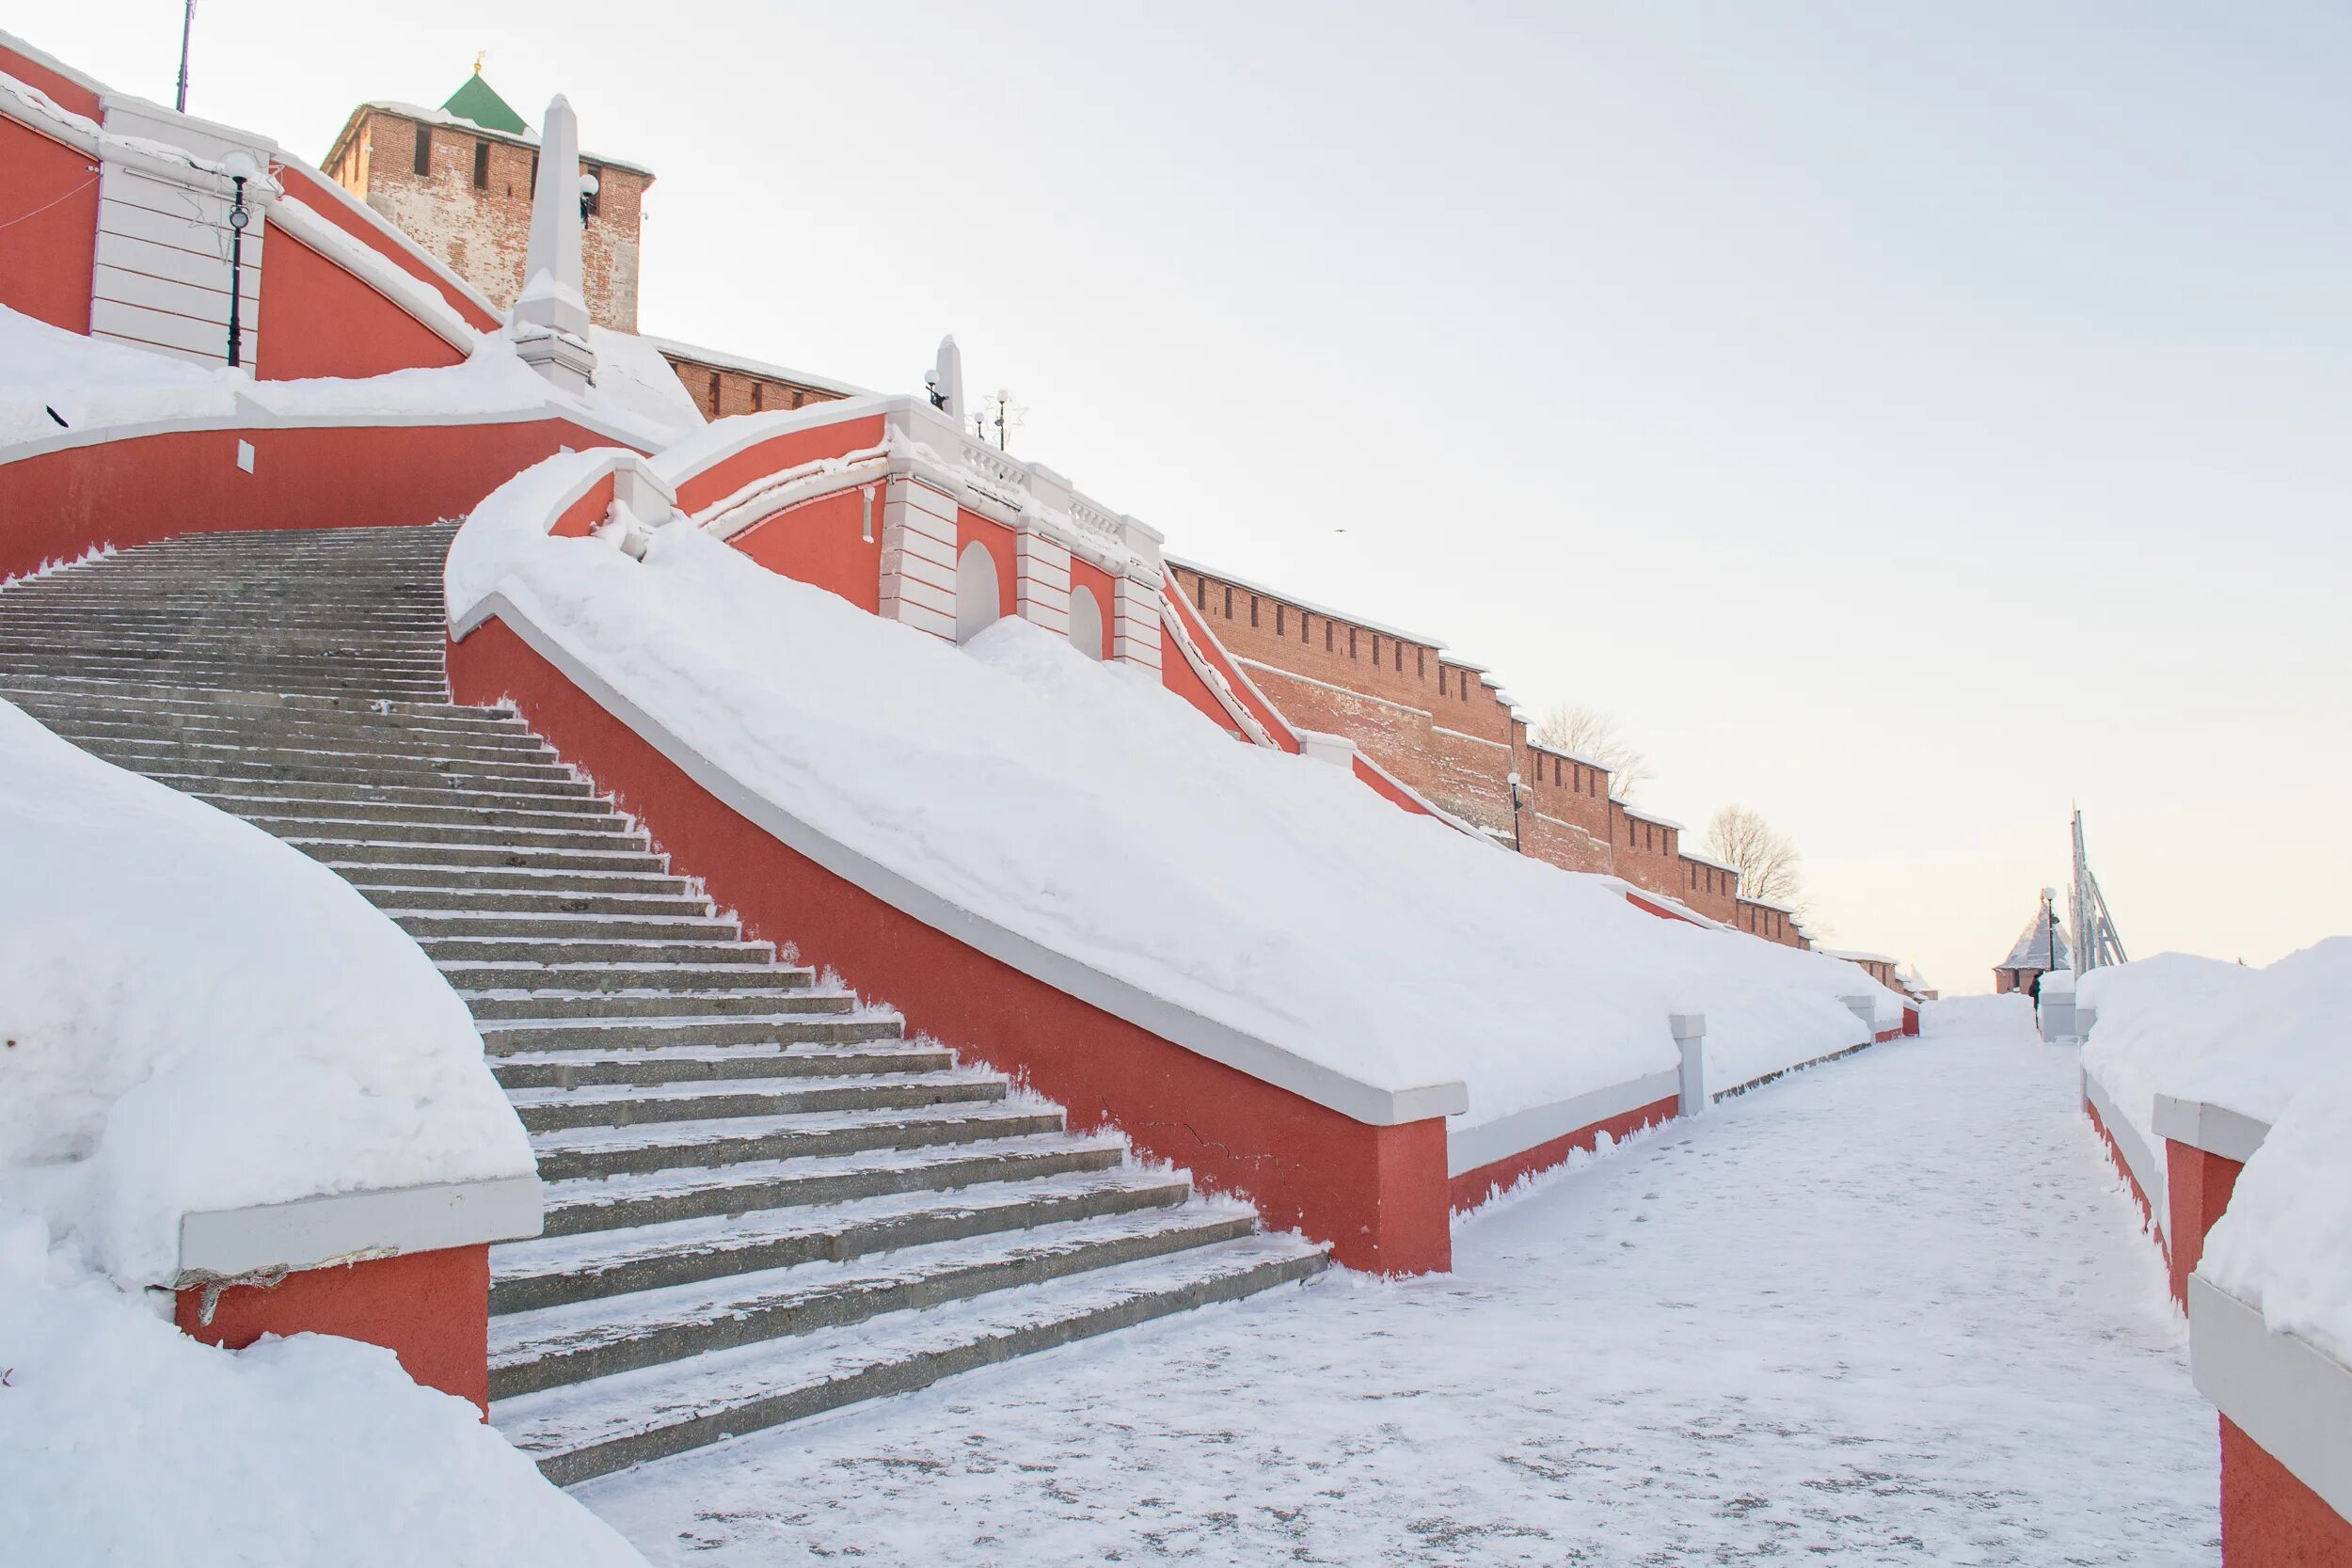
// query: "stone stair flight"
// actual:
[[764, 1201]]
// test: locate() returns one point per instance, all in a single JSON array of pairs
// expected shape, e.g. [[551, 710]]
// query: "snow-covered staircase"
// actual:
[[764, 1201]]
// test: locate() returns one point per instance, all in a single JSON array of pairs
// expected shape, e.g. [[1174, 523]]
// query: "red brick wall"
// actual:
[[1710, 890], [483, 232], [723, 392], [1770, 923], [1427, 720]]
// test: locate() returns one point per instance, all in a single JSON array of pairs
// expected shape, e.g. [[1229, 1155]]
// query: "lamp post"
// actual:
[[1517, 846], [241, 168]]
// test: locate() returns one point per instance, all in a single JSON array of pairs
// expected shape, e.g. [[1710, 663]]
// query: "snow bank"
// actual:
[[96, 385], [2249, 1040], [125, 1442], [199, 1017], [633, 378], [1082, 806], [2285, 1244]]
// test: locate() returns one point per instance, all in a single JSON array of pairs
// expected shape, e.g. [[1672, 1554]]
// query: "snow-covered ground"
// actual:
[[1892, 1310]]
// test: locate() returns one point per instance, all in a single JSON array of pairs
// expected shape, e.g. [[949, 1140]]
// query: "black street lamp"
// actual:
[[238, 218]]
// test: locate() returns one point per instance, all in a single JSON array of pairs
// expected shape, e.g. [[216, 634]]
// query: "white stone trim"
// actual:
[[918, 558], [1040, 568], [340, 1228], [1136, 623], [1476, 1148], [2214, 1128], [1206, 1037], [2138, 1157], [2284, 1392]]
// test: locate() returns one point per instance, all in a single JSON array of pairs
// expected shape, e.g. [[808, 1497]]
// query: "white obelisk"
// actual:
[[551, 316]]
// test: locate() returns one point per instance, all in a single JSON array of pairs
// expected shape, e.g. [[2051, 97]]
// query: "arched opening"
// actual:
[[1086, 622], [977, 603]]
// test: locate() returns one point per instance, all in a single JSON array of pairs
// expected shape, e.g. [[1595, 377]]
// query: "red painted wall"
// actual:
[[319, 320], [329, 205], [1086, 575], [824, 544], [48, 225], [2268, 1518], [64, 90], [431, 1308], [1379, 1195], [1222, 662], [2197, 1189], [1474, 1187], [789, 451], [56, 505], [1000, 542]]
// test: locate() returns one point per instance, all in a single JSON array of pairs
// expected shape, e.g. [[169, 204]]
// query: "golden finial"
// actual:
[[479, 55]]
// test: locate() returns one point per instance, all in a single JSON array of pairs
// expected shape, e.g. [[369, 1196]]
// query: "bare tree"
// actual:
[[1593, 735], [1767, 859]]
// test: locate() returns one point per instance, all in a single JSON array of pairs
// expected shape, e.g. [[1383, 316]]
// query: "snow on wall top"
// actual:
[[2246, 1040], [2285, 1242], [102, 390], [1091, 812], [199, 1017]]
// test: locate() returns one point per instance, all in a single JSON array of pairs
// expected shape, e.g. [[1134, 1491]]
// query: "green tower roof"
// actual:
[[476, 100]]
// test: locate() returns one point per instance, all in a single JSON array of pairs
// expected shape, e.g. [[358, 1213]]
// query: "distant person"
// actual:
[[2033, 988]]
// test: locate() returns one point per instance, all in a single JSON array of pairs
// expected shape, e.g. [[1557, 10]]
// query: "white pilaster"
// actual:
[[1041, 581], [1136, 624], [919, 559]]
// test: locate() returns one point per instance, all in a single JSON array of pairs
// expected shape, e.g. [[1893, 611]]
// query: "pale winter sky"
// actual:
[[1908, 421]]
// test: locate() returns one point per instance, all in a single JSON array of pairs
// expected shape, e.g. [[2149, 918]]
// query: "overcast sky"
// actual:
[[1907, 420]]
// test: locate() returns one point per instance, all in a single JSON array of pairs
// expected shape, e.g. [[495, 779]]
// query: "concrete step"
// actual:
[[465, 857], [552, 1271], [548, 1110], [707, 1146], [155, 713], [496, 878], [818, 1019], [631, 972], [49, 655], [357, 735], [339, 780], [359, 827], [678, 1063], [82, 689], [406, 903], [588, 1428], [588, 926], [166, 754], [544, 953], [556, 1345], [670, 1006], [588, 816], [584, 1204], [561, 796]]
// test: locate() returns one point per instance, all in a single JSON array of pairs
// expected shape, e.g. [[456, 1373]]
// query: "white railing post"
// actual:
[[1689, 1032]]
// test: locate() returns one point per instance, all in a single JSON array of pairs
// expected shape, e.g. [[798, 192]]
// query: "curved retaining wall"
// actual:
[[1378, 1193]]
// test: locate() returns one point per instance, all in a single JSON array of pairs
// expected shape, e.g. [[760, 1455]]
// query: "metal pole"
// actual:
[[187, 26]]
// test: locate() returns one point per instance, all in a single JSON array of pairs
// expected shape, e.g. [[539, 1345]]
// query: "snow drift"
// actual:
[[125, 1442], [199, 1017], [1085, 808], [2278, 1052], [2247, 1040]]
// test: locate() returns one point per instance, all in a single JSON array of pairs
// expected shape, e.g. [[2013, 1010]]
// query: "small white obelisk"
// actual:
[[551, 315]]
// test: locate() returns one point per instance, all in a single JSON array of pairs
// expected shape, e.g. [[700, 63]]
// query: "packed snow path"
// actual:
[[1896, 1309]]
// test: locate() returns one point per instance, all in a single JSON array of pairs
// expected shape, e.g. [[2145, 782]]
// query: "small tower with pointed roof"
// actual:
[[458, 180]]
